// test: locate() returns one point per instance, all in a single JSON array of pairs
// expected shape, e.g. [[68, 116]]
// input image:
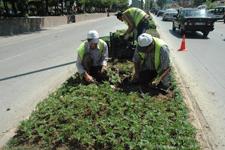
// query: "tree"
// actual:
[[161, 3], [6, 6], [149, 4], [198, 2]]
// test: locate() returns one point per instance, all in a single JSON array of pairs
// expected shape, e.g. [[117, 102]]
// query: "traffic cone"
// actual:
[[183, 44]]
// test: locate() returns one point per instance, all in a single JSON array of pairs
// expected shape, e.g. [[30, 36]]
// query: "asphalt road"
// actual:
[[202, 67], [33, 65]]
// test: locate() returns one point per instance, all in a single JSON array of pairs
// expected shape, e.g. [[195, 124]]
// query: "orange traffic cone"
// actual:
[[183, 44]]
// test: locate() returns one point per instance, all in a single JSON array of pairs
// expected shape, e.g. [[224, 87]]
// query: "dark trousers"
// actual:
[[94, 71], [142, 27], [147, 76]]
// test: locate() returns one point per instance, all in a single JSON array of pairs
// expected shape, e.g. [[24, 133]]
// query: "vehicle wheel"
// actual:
[[205, 34], [173, 27], [182, 31]]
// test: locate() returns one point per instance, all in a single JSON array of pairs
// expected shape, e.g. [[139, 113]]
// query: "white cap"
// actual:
[[144, 40], [92, 34]]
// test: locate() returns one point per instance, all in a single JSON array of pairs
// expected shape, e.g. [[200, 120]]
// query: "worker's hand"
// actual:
[[156, 82], [104, 68], [135, 78], [88, 78], [126, 36], [121, 36]]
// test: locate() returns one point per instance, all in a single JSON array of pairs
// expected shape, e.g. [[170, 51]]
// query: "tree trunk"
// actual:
[[62, 7], [13, 3], [46, 7], [6, 7], [57, 7]]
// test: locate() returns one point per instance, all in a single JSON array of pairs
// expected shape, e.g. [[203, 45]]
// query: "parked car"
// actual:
[[160, 13], [192, 19], [202, 7], [219, 12], [154, 10], [211, 12], [169, 15]]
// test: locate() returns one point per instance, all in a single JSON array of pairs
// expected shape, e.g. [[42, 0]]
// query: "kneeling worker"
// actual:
[[151, 61], [92, 57]]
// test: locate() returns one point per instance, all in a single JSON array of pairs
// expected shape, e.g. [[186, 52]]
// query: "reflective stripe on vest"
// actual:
[[158, 44], [81, 49], [136, 14]]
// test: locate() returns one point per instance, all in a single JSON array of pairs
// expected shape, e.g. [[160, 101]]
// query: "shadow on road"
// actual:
[[189, 35], [37, 71]]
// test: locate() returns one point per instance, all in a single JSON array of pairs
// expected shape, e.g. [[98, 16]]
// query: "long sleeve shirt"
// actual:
[[149, 64], [149, 59], [98, 58]]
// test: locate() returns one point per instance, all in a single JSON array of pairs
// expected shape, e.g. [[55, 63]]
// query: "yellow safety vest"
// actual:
[[136, 14], [158, 44], [81, 49]]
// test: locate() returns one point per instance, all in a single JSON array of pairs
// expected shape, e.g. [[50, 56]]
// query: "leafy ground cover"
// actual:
[[115, 114], [105, 116]]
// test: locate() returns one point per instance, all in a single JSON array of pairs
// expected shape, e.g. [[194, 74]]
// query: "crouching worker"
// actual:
[[151, 62], [92, 58], [136, 19]]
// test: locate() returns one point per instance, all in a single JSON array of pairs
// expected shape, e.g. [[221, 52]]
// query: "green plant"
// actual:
[[94, 116]]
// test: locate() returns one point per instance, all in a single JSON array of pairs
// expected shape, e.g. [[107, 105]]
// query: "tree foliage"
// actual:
[[56, 7], [161, 3], [198, 2]]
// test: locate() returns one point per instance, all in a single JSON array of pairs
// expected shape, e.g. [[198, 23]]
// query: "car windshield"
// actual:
[[171, 11], [196, 13]]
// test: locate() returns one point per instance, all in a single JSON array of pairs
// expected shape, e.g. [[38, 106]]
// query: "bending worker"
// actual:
[[151, 62], [136, 19], [92, 58]]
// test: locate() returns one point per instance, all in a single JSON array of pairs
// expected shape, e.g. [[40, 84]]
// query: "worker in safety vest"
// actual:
[[151, 61], [92, 57], [136, 19]]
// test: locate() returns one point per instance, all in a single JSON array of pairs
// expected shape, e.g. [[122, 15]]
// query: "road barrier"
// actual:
[[18, 25]]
